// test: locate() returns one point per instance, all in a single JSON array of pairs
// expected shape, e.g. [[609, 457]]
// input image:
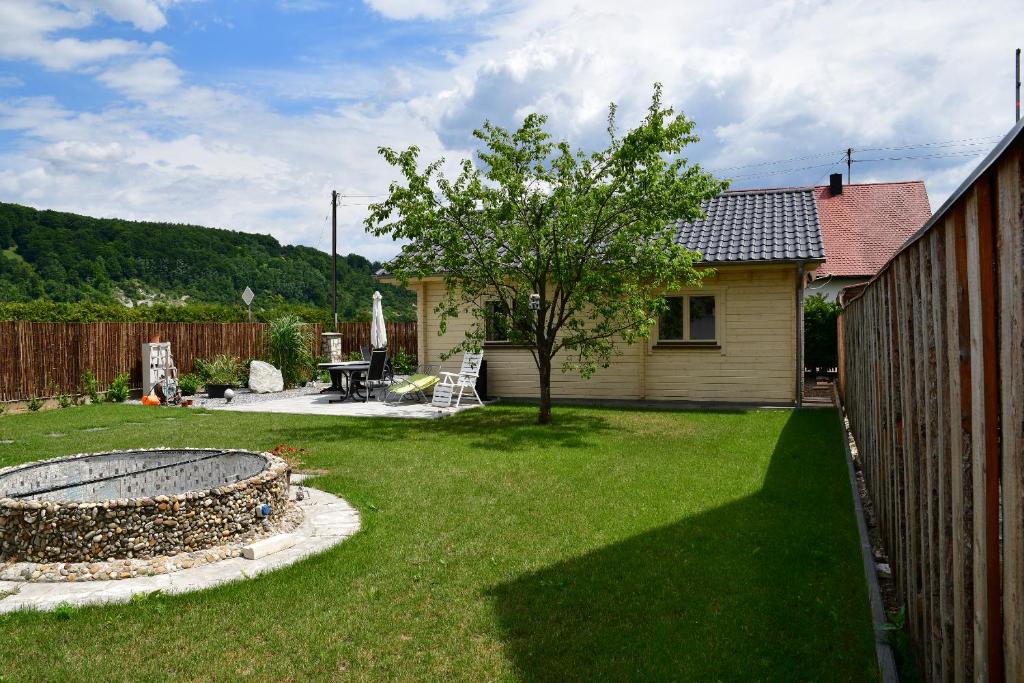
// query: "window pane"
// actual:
[[497, 322], [671, 324], [702, 318]]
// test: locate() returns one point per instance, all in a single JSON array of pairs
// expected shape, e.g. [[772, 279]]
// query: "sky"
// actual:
[[245, 114]]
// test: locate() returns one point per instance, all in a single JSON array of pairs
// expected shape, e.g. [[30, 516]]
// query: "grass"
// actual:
[[612, 545]]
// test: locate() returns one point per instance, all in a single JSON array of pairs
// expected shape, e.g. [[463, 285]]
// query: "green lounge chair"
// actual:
[[415, 386]]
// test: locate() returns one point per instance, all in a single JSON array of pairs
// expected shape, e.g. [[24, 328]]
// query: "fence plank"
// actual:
[[1011, 347], [944, 565]]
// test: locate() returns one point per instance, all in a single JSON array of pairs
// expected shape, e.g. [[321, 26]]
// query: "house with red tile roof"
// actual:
[[863, 225]]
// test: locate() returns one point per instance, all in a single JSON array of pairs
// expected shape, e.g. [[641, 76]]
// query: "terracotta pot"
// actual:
[[154, 339]]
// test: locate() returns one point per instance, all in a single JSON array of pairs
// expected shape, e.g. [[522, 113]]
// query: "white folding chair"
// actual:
[[466, 377]]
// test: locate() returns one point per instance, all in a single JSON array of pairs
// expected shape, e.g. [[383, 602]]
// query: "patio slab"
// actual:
[[319, 404]]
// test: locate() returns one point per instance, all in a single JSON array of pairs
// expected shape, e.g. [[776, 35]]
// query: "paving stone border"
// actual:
[[326, 521]]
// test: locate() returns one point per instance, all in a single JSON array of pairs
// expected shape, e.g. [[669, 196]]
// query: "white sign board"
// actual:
[[247, 296]]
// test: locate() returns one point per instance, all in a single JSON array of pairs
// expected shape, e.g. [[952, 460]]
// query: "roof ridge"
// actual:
[[881, 182], [770, 190]]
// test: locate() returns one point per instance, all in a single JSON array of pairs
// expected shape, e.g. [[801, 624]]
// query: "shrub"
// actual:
[[288, 344], [221, 369], [189, 383], [119, 390], [355, 355], [90, 386], [820, 340], [35, 403], [65, 400], [403, 363]]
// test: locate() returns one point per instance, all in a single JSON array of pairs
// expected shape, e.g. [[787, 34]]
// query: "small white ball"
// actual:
[[229, 394]]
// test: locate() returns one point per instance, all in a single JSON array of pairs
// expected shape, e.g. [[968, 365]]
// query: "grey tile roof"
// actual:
[[756, 225]]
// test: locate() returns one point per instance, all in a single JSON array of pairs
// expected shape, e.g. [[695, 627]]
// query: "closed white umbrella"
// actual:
[[378, 333]]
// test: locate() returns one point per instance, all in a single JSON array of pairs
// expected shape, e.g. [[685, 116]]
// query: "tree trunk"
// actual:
[[544, 416]]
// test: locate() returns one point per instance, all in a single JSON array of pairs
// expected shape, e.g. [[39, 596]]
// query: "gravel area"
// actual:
[[246, 397]]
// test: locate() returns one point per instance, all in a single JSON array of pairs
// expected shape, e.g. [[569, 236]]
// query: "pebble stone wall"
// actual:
[[84, 531]]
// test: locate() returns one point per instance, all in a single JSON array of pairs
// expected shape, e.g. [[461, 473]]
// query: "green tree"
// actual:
[[820, 334], [589, 233]]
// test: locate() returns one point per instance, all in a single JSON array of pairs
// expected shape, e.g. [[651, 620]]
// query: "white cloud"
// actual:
[[143, 79], [428, 9], [764, 81], [791, 79], [27, 30], [145, 15]]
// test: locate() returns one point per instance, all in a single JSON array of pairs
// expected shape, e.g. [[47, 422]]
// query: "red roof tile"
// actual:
[[868, 223]]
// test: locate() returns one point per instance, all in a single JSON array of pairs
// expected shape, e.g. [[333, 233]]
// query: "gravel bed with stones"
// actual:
[[245, 397], [129, 568]]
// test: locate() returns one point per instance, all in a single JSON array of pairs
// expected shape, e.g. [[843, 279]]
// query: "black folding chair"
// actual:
[[364, 384]]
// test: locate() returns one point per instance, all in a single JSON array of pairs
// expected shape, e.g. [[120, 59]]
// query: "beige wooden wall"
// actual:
[[756, 362]]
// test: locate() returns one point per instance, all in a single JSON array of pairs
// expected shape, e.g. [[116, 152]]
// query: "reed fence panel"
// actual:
[[46, 359], [401, 336]]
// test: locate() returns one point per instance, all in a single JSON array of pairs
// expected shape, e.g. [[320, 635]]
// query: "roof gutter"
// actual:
[[799, 302]]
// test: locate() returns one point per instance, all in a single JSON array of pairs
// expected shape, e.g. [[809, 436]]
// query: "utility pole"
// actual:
[[1018, 85], [849, 165], [334, 257]]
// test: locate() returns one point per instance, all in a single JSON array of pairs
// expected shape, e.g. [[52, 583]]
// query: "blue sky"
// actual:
[[246, 113]]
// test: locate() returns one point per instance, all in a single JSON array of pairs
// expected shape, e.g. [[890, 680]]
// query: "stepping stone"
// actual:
[[95, 429], [5, 442]]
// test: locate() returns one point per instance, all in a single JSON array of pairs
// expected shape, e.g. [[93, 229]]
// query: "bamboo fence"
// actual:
[[47, 359]]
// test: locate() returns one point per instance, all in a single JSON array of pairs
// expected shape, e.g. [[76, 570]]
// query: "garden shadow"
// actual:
[[766, 587], [491, 428]]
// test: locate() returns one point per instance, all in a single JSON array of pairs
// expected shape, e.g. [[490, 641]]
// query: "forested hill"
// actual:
[[66, 257]]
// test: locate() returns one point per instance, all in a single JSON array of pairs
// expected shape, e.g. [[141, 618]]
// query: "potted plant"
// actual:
[[219, 374]]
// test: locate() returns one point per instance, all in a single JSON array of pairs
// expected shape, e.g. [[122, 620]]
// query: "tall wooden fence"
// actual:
[[932, 378], [400, 336], [44, 359]]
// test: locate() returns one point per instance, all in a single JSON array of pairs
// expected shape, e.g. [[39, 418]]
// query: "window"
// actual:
[[702, 318], [688, 319], [502, 327], [497, 322]]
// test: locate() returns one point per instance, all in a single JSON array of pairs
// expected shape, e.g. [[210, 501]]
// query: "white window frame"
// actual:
[[686, 339]]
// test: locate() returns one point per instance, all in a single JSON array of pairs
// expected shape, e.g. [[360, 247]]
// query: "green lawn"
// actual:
[[614, 544]]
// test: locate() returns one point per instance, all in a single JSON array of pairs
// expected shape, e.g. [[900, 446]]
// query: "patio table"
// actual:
[[341, 376]]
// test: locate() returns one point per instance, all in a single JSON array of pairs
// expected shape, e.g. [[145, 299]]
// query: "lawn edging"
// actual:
[[883, 650]]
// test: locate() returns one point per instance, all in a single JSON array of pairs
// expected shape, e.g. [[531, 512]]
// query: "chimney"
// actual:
[[835, 184]]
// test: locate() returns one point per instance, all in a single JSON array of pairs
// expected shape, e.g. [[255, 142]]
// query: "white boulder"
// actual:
[[264, 378]]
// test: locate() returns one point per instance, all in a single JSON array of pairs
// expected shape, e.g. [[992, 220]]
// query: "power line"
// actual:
[[947, 155], [771, 163], [782, 171], [966, 142], [982, 141]]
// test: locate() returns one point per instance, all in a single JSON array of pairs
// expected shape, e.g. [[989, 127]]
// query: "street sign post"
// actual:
[[247, 297]]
